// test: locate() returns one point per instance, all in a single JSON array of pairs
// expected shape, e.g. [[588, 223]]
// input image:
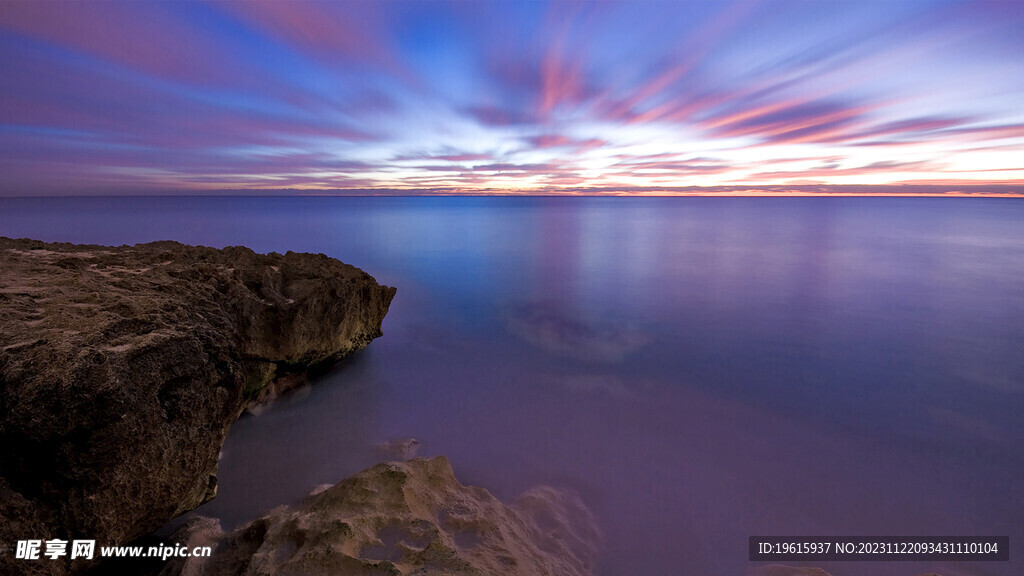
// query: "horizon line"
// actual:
[[293, 193]]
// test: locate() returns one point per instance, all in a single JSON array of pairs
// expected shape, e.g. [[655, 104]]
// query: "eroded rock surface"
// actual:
[[401, 518], [121, 370]]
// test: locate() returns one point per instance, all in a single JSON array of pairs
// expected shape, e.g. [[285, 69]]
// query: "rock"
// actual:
[[563, 333], [121, 370], [400, 518]]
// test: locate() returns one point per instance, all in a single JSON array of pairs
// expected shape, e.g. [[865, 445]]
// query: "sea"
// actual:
[[699, 370]]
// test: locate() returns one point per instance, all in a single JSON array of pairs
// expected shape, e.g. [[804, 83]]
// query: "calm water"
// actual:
[[700, 370]]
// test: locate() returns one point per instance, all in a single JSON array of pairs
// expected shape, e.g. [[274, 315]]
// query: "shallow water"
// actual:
[[700, 369]]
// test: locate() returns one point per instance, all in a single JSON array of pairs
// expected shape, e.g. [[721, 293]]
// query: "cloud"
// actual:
[[469, 95], [562, 141], [148, 37], [329, 31], [453, 157], [831, 171]]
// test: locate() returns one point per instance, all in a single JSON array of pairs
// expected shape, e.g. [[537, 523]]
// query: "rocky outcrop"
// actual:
[[400, 518], [121, 370]]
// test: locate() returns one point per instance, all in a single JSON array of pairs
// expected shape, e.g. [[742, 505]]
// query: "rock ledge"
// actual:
[[121, 369], [399, 519]]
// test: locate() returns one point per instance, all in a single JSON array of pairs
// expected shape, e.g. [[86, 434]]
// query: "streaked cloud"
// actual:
[[610, 97]]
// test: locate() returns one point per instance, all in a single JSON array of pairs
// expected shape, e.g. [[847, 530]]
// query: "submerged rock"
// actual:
[[400, 518], [121, 370], [399, 449], [563, 333]]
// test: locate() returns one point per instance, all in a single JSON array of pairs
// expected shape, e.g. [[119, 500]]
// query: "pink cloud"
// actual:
[[354, 32], [560, 140], [874, 168], [145, 36], [464, 157]]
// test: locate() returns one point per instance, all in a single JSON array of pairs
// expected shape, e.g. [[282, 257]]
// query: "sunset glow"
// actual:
[[631, 97]]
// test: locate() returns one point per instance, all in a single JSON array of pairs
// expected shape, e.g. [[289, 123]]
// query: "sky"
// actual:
[[512, 97]]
